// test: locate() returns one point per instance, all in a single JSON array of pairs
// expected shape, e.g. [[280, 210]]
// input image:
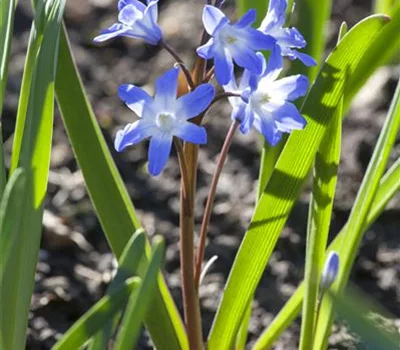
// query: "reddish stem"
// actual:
[[210, 201]]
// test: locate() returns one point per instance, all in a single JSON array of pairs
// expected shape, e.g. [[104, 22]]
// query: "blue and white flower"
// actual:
[[230, 43], [163, 117], [135, 20], [266, 101], [287, 39]]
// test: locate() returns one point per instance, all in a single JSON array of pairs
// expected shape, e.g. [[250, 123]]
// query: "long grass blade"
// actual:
[[313, 17], [388, 187], [292, 169], [19, 269], [7, 10], [359, 214], [128, 266], [321, 206], [107, 191], [97, 316], [140, 300]]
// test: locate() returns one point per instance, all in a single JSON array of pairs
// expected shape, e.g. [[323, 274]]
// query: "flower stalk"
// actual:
[[210, 200]]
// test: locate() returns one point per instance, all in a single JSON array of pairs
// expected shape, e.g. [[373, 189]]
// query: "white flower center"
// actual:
[[165, 121], [259, 99], [228, 35]]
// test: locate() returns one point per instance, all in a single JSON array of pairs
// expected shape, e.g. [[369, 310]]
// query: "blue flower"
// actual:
[[330, 271], [287, 39], [163, 117], [232, 42], [135, 21], [265, 102]]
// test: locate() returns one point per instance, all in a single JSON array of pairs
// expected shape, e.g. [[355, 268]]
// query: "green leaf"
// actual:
[[313, 17], [10, 217], [386, 45], [19, 269], [292, 168], [140, 300], [35, 40], [366, 319], [128, 266], [3, 175], [97, 316], [107, 191], [389, 186], [7, 10], [359, 214], [384, 6], [320, 214]]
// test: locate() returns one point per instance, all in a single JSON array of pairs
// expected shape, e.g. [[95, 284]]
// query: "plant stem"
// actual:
[[181, 64], [191, 305], [210, 200], [186, 190], [223, 95]]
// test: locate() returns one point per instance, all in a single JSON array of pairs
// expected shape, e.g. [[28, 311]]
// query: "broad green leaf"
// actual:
[[384, 6], [380, 51], [19, 269], [320, 214], [313, 17], [291, 169], [128, 266], [386, 45], [107, 191], [359, 214], [97, 316], [366, 320], [388, 187], [140, 300]]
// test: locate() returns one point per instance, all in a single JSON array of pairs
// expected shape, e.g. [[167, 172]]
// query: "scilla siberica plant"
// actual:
[[263, 100], [242, 61]]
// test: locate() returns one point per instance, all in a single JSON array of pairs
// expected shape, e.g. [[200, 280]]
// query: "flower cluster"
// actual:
[[261, 100]]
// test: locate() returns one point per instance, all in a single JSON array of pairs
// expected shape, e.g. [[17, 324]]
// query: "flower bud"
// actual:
[[330, 271]]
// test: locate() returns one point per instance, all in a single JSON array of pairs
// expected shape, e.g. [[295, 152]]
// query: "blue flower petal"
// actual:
[[274, 65], [307, 60], [195, 102], [247, 19], [129, 15], [166, 89], [122, 3], [132, 134], [246, 58], [290, 88], [151, 11], [288, 118], [115, 30], [248, 120], [159, 150], [258, 40], [134, 97], [290, 37], [223, 67], [276, 15], [206, 51], [270, 131], [213, 18], [192, 133]]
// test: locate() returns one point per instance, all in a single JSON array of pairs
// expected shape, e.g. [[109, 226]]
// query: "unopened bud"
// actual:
[[330, 271]]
